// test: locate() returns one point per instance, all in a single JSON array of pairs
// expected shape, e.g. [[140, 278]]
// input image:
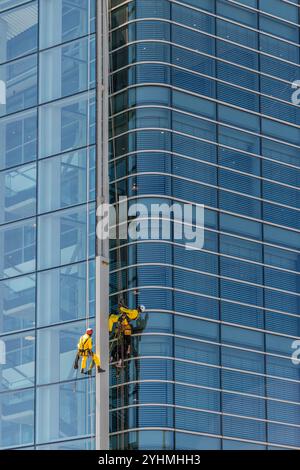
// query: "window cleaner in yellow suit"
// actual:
[[85, 350], [123, 332]]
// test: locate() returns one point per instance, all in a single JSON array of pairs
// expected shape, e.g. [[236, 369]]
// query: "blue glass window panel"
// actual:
[[278, 345], [243, 405], [17, 300], [239, 161], [6, 4], [66, 287], [244, 428], [281, 194], [154, 369], [240, 248], [63, 237], [190, 420], [66, 125], [184, 37], [194, 441], [279, 69], [18, 195], [155, 345], [17, 369], [243, 360], [238, 76], [282, 367], [67, 70], [277, 89], [62, 414], [196, 351], [196, 305], [200, 283], [75, 19], [193, 18], [284, 412], [242, 337], [277, 8], [196, 329], [241, 270], [143, 30], [205, 4], [281, 131], [18, 244], [238, 445], [281, 216], [283, 389], [237, 54], [284, 30], [18, 38], [281, 258], [281, 173], [150, 392], [241, 183], [279, 48], [152, 9], [239, 226], [63, 180], [193, 60], [193, 104], [280, 110], [284, 324], [239, 140], [197, 397], [21, 84], [194, 148], [15, 430], [238, 118], [196, 374], [18, 139], [281, 236], [280, 301], [237, 34], [284, 435], [244, 293], [280, 152], [144, 440], [240, 204], [59, 343], [147, 416], [243, 382], [194, 126], [78, 444], [282, 280], [237, 97], [240, 314], [237, 13]]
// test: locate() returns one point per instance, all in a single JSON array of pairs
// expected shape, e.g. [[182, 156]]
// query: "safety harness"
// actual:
[[82, 351]]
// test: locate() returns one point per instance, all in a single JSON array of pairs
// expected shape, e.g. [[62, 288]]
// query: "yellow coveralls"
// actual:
[[132, 314], [124, 328], [85, 349]]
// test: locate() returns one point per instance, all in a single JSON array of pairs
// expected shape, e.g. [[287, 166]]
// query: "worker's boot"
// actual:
[[82, 371], [99, 369], [89, 372]]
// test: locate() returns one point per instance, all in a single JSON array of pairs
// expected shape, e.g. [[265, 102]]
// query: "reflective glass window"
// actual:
[[66, 125], [67, 70], [61, 413], [17, 418], [18, 37], [17, 242], [18, 136], [63, 180], [17, 371], [20, 78], [17, 193], [17, 303], [64, 20], [63, 237]]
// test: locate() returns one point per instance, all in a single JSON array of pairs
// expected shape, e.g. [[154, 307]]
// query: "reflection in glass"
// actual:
[[66, 125], [17, 193], [18, 135], [17, 248], [17, 366], [17, 418], [67, 69], [62, 414], [17, 303]]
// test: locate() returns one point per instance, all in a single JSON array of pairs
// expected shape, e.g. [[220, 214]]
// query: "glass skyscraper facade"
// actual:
[[200, 112], [47, 217]]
